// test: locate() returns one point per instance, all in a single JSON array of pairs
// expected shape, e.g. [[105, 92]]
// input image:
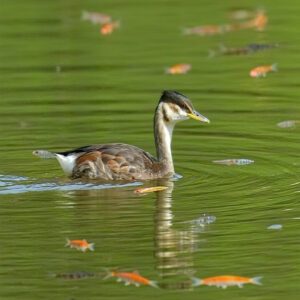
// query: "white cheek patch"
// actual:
[[175, 115], [183, 115]]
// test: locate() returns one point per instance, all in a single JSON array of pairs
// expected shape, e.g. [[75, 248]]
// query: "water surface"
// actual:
[[64, 86]]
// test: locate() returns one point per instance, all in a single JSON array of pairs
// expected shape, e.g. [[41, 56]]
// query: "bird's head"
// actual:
[[177, 107]]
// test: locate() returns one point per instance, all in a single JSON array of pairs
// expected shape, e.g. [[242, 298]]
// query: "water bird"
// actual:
[[224, 281], [81, 245], [131, 278], [262, 71], [127, 162]]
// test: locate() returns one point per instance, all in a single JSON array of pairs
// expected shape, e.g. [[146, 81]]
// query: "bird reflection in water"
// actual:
[[174, 248]]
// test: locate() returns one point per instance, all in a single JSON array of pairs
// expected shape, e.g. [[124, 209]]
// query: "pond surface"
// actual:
[[63, 86]]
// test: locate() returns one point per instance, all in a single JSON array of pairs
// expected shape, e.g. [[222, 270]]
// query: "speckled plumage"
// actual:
[[114, 162]]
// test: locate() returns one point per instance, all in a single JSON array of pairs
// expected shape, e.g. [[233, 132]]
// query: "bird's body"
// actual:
[[111, 162], [127, 162]]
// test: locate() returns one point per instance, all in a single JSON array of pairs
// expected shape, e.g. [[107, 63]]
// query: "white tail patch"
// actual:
[[67, 162]]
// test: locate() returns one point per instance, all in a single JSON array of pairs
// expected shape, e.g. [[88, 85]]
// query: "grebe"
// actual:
[[127, 162]]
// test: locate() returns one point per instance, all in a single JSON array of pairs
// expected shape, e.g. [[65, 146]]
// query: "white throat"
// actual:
[[168, 132], [163, 140]]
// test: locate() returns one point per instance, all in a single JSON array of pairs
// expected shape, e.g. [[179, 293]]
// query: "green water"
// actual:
[[64, 86]]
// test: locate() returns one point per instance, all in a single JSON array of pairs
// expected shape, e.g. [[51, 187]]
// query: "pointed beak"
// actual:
[[197, 116]]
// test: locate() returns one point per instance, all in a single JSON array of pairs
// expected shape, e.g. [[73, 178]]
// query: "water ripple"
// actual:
[[8, 185]]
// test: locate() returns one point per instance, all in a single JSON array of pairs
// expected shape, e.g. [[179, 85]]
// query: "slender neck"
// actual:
[[163, 137]]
